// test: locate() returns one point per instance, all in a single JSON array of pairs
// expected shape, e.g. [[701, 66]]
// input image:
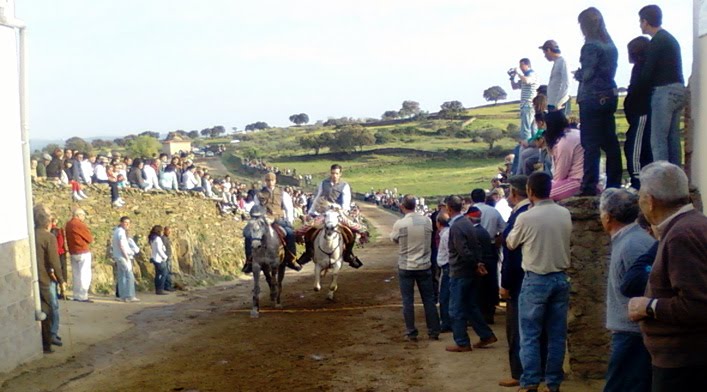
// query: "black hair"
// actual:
[[525, 61], [154, 233], [555, 126], [652, 15], [409, 202], [478, 195], [518, 184], [638, 49], [124, 218], [540, 183], [336, 166]]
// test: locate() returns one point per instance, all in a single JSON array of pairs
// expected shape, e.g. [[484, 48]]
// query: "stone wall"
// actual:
[[588, 339], [208, 247], [20, 337]]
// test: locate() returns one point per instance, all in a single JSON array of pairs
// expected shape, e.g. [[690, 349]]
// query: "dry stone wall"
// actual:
[[588, 339], [208, 247]]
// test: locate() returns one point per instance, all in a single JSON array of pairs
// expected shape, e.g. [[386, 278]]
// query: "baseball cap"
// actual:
[[47, 157], [550, 44], [539, 134]]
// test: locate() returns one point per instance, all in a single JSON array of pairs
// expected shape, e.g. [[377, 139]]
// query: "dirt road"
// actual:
[[209, 343]]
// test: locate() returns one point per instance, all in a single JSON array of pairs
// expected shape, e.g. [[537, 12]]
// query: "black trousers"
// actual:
[[638, 146], [680, 379], [599, 133]]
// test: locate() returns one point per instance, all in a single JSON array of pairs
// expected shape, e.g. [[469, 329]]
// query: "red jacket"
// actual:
[[78, 236]]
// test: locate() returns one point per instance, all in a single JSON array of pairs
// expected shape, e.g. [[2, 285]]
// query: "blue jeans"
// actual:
[[527, 122], [667, 103], [446, 323], [423, 278], [462, 307], [161, 272], [543, 305], [126, 279], [54, 301], [630, 364], [599, 133]]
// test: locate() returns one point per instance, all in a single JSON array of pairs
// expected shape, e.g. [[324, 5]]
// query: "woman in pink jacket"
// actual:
[[567, 156]]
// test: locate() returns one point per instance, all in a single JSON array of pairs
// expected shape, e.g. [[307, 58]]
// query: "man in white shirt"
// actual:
[[151, 176], [558, 87], [413, 233]]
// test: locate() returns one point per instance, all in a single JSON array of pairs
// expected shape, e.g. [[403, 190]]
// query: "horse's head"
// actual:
[[258, 227], [331, 220]]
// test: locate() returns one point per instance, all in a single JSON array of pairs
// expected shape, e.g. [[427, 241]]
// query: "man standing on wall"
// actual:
[[663, 72], [558, 97], [528, 84]]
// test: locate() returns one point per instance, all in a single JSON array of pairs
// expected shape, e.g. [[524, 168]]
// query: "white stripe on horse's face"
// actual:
[[331, 219]]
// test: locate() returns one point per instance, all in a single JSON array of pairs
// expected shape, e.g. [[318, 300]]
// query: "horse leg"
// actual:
[[255, 311], [317, 276], [280, 278], [334, 279]]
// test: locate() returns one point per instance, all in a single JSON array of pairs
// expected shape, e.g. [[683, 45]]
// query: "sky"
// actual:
[[112, 68]]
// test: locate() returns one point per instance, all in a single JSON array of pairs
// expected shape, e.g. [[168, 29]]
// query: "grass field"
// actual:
[[423, 166]]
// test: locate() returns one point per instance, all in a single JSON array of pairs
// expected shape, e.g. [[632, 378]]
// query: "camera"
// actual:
[[511, 72]]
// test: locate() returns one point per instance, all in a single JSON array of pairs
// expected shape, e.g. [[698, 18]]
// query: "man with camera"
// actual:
[[527, 83]]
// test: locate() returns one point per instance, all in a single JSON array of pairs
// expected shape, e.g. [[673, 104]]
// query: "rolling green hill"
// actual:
[[428, 157]]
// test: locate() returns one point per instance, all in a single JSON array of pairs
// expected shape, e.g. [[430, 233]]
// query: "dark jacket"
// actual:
[[677, 337], [511, 268], [75, 173], [135, 177], [54, 168], [663, 61], [596, 77], [47, 258], [636, 277], [638, 98], [464, 249]]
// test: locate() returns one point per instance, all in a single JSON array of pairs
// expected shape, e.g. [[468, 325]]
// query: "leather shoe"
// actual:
[[486, 342], [508, 383], [293, 265], [57, 342], [247, 268], [458, 349], [48, 350]]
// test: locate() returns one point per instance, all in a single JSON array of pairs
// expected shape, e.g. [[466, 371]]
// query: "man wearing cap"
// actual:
[[278, 207], [42, 165], [558, 87], [527, 83]]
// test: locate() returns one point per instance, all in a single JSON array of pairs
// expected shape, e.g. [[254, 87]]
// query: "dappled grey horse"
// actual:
[[267, 257], [328, 252]]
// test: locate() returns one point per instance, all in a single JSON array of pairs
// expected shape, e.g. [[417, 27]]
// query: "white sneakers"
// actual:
[[79, 195], [119, 202]]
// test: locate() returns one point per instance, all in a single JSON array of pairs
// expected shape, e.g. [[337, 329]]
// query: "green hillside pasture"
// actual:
[[419, 175]]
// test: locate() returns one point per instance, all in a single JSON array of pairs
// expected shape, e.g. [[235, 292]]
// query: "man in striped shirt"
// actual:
[[413, 233], [528, 84]]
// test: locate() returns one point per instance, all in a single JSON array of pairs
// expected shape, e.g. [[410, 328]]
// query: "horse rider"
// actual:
[[338, 193], [279, 209]]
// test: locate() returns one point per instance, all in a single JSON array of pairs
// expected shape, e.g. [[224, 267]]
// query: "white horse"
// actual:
[[328, 252]]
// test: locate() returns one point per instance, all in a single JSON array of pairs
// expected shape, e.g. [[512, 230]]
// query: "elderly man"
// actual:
[[278, 207], [673, 312], [630, 364], [544, 233], [465, 264], [78, 239], [413, 233], [49, 270]]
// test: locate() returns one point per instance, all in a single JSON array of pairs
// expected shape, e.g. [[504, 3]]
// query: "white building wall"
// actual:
[[699, 99], [20, 336]]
